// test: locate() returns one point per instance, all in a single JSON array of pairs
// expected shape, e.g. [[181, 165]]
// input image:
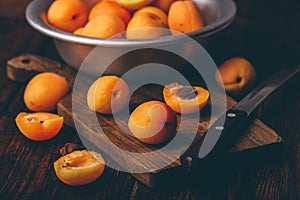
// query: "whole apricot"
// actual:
[[237, 74], [78, 31], [154, 10], [184, 17], [185, 99], [44, 91], [108, 94], [110, 7], [39, 126], [67, 15], [133, 4], [146, 25], [153, 122], [104, 26], [79, 167]]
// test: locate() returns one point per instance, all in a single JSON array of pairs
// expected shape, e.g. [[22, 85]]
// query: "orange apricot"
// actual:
[[163, 4], [184, 17], [78, 31], [110, 7], [44, 91], [154, 10], [108, 94], [146, 25], [133, 4], [238, 75], [153, 122], [185, 99], [79, 167], [104, 26], [67, 15], [39, 126]]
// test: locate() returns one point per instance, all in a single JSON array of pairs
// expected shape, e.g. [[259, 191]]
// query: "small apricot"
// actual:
[[185, 99], [67, 15], [108, 94], [110, 7], [104, 26], [44, 91], [79, 167], [78, 31], [237, 74], [39, 126], [184, 17], [154, 10], [133, 4], [153, 122], [146, 25]]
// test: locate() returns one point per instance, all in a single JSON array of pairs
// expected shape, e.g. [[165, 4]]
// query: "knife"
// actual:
[[219, 136]]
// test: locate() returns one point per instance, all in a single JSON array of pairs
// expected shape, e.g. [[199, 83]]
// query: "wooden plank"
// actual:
[[257, 135]]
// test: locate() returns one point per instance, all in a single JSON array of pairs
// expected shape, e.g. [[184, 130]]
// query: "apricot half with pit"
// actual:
[[153, 122], [39, 126], [238, 76], [185, 99], [79, 167], [108, 94]]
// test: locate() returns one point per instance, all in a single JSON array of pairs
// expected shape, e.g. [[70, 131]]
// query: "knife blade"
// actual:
[[219, 136]]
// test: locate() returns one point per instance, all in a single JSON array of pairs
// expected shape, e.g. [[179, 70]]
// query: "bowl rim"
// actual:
[[36, 17]]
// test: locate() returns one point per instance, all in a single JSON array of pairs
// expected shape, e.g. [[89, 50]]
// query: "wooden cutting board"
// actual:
[[23, 67]]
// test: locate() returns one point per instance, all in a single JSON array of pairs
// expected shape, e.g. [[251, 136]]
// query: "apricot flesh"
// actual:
[[39, 126], [79, 167], [237, 74], [153, 122], [44, 91], [185, 99], [108, 94]]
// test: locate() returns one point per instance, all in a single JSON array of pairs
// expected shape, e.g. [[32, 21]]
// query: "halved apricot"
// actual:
[[39, 126], [185, 99], [79, 167], [153, 122]]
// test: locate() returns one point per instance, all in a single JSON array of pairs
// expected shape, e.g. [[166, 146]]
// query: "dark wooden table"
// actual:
[[266, 32]]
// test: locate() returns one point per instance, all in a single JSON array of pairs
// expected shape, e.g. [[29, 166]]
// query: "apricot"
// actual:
[[104, 26], [163, 4], [67, 15], [39, 126], [153, 122], [154, 10], [108, 94], [78, 31], [79, 167], [110, 7], [145, 26], [185, 99], [184, 17], [238, 75], [133, 4], [44, 91]]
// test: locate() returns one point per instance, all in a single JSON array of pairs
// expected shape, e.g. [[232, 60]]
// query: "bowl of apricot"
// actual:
[[114, 26]]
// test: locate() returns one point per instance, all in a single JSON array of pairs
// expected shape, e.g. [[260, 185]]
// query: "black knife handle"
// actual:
[[220, 135]]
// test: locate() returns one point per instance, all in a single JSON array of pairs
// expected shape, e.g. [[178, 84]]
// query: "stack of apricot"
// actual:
[[141, 19]]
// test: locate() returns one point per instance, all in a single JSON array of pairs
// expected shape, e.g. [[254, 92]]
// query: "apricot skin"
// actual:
[[67, 15], [184, 17], [108, 94], [153, 122], [39, 126], [238, 76], [44, 91]]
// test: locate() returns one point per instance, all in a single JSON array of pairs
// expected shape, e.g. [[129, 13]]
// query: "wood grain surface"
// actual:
[[266, 32]]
